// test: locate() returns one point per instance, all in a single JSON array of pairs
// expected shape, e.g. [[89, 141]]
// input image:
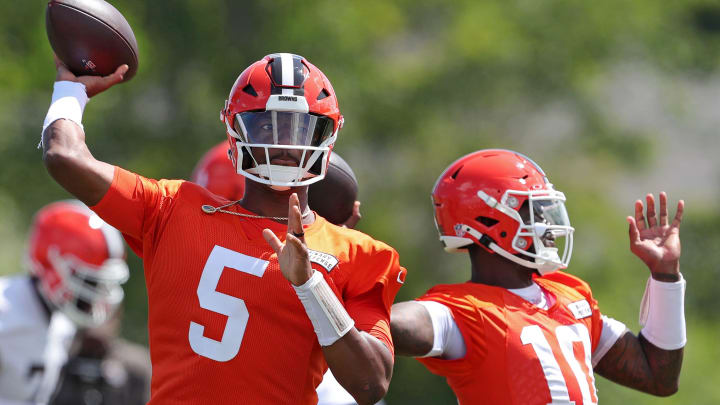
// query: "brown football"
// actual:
[[91, 37], [334, 196]]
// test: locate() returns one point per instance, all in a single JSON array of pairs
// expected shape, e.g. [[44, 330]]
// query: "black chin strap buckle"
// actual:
[[486, 241]]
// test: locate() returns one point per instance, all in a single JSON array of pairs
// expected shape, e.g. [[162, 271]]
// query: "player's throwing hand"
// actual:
[[93, 84], [656, 242], [293, 254]]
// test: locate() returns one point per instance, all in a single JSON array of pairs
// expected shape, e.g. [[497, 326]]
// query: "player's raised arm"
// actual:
[[65, 154], [360, 362], [651, 361]]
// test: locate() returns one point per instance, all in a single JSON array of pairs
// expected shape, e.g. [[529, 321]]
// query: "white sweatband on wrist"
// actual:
[[662, 314], [327, 314], [68, 102], [448, 342]]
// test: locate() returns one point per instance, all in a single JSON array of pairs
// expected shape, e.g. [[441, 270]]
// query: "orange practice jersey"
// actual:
[[517, 353], [225, 326]]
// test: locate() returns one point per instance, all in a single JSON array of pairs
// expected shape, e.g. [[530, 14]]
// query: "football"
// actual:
[[334, 196], [91, 37]]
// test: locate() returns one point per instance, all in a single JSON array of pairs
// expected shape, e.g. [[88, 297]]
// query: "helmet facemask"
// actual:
[[544, 228], [302, 141], [89, 295]]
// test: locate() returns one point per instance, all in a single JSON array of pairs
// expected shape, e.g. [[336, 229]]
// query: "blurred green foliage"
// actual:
[[420, 83]]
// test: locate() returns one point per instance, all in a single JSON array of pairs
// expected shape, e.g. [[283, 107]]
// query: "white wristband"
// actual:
[[327, 314], [662, 314], [68, 102]]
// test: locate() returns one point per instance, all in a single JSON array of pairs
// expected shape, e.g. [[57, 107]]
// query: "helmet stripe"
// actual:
[[286, 65], [288, 74]]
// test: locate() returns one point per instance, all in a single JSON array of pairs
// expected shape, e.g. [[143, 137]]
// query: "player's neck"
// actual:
[[495, 270], [263, 200]]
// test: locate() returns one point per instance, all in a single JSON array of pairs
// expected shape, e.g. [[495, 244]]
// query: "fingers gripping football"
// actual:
[[93, 84], [354, 218], [293, 254]]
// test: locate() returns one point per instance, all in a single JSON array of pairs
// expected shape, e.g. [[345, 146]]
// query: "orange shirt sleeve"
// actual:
[[135, 204], [471, 325], [374, 280]]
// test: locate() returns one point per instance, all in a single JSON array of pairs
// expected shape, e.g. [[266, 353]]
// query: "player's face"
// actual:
[[547, 238], [282, 128]]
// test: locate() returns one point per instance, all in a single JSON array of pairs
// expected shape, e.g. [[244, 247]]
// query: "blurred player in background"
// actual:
[[76, 265], [215, 172], [105, 369], [521, 332], [213, 265]]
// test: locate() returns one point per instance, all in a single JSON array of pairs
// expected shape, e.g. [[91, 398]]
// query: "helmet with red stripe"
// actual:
[[502, 201], [78, 260], [282, 120]]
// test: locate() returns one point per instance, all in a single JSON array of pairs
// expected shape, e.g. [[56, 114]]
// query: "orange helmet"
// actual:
[[78, 260], [503, 201], [281, 103], [216, 173]]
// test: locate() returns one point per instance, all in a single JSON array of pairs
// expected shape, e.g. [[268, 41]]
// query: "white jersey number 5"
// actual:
[[212, 300]]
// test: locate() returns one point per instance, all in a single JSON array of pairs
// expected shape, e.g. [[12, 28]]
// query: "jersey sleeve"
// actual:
[[470, 323], [612, 330], [135, 205], [373, 282]]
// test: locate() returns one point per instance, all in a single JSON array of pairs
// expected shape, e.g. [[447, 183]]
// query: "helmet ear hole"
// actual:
[[487, 221], [454, 175], [249, 89], [323, 94]]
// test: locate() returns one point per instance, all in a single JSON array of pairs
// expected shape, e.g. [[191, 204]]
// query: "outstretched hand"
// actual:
[[93, 84], [293, 254], [656, 242]]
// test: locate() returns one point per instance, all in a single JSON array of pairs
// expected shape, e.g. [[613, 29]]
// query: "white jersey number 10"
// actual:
[[566, 335]]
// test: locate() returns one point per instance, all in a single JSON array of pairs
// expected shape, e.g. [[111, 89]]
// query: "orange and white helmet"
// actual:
[[279, 104], [502, 201], [78, 260]]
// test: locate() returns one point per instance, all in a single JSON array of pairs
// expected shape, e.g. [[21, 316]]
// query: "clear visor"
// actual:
[[545, 220], [283, 128], [549, 215]]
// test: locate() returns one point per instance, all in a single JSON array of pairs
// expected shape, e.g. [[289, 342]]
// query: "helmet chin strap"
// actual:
[[542, 266]]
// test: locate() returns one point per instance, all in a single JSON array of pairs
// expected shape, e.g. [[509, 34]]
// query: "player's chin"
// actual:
[[285, 190]]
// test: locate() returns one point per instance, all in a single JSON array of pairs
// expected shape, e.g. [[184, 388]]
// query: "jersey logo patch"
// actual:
[[580, 309], [326, 260]]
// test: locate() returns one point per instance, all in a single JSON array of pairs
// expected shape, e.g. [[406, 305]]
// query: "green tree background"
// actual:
[[614, 99]]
